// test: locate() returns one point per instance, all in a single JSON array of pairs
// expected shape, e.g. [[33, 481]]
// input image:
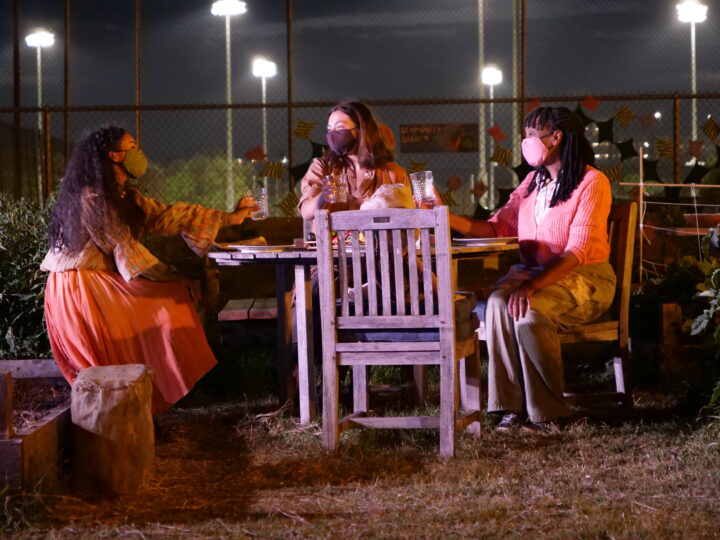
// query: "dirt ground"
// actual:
[[232, 470], [32, 401]]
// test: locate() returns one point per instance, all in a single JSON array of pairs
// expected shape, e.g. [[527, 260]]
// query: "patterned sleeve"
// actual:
[[115, 240], [197, 225]]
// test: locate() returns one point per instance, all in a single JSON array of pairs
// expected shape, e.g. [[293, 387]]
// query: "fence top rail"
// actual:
[[311, 104]]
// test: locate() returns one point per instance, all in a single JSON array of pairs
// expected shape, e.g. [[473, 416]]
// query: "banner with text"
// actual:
[[417, 138]]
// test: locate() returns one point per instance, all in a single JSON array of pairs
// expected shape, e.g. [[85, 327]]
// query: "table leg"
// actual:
[[284, 333], [306, 356]]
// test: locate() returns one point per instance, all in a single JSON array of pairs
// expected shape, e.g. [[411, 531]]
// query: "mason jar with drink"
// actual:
[[423, 189]]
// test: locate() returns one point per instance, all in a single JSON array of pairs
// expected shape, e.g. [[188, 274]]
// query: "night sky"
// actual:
[[372, 49]]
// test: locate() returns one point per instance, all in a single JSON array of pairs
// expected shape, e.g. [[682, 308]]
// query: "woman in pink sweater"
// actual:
[[559, 214]]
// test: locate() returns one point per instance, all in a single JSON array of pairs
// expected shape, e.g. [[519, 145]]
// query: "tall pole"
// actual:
[[482, 163], [491, 170], [516, 67], [229, 188], [138, 73], [693, 72], [264, 125], [39, 128]]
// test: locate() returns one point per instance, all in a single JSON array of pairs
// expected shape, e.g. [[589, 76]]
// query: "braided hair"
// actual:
[[575, 152], [90, 172]]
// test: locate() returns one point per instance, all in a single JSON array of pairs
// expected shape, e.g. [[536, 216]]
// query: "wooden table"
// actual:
[[296, 262]]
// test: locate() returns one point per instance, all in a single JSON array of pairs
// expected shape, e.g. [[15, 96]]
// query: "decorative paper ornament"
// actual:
[[416, 166], [453, 182], [256, 154], [496, 133], [711, 129], [625, 116], [272, 169], [303, 129], [590, 103], [522, 170], [531, 105], [695, 149], [605, 130], [501, 155], [650, 173], [288, 206], [317, 149], [627, 149], [647, 120], [664, 148], [479, 189], [614, 174], [584, 118], [298, 171], [696, 174], [447, 198]]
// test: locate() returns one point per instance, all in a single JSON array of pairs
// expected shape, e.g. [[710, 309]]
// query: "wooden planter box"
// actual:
[[32, 457]]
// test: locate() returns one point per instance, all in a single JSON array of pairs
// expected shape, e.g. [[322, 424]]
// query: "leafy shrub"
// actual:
[[23, 243]]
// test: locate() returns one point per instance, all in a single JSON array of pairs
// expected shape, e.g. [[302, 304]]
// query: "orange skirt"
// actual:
[[96, 318]]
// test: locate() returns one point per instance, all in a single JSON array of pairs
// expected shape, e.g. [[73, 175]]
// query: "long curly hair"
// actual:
[[90, 172], [575, 152], [372, 151]]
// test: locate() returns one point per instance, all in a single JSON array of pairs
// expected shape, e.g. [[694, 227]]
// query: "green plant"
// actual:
[[23, 243]]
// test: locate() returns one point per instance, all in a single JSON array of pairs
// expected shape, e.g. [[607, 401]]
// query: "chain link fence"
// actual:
[[417, 64]]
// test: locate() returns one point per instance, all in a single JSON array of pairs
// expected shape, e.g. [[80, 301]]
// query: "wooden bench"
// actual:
[[243, 309]]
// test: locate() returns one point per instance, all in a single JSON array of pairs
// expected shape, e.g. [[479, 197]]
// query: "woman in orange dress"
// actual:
[[108, 300]]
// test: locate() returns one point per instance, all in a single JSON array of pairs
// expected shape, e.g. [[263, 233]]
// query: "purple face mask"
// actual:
[[341, 141]]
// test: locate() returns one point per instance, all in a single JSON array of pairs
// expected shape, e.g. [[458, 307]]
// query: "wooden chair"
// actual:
[[622, 222], [385, 325]]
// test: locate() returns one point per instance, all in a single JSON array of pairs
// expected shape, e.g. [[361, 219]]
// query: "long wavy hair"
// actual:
[[575, 152], [90, 172], [372, 151]]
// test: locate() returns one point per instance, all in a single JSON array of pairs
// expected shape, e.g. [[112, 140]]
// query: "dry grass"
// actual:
[[223, 471]]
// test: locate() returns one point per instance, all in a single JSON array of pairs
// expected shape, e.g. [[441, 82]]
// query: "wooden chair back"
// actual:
[[386, 299], [622, 224]]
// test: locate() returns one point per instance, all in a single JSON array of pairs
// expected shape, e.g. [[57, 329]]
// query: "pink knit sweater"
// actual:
[[578, 225]]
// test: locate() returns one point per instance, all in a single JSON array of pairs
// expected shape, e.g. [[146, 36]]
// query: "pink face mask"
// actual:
[[534, 151]]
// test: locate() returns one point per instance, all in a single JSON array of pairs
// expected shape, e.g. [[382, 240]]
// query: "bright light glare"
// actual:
[[491, 75], [646, 144], [228, 7], [658, 115], [691, 11], [40, 38], [263, 68]]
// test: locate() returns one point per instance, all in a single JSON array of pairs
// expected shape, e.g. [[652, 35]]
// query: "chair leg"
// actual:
[[360, 393], [448, 375], [622, 377], [331, 398], [470, 389], [420, 379]]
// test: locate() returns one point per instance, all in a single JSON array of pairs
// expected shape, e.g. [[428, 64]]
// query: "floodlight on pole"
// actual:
[[693, 12], [227, 9], [39, 39], [264, 69], [491, 76]]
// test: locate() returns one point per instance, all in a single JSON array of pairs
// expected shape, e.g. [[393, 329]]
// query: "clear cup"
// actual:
[[261, 200], [340, 190], [423, 189]]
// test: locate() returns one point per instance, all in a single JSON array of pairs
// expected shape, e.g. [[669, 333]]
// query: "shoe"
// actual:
[[542, 428], [510, 421]]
